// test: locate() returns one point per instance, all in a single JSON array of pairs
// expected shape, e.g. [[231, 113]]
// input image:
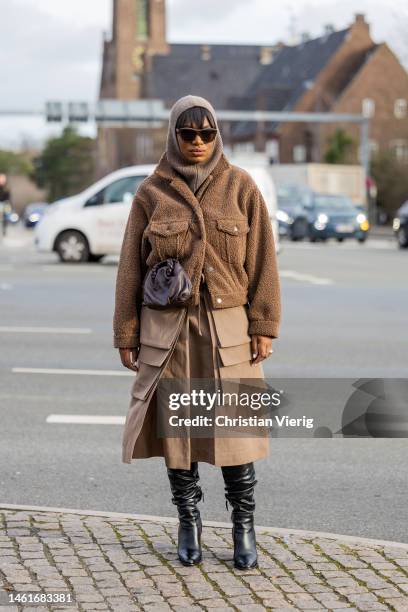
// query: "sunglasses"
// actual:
[[189, 134]]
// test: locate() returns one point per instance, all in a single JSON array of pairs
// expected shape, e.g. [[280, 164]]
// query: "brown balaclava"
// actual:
[[193, 173]]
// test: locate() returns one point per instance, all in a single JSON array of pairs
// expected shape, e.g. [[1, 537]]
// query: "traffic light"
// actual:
[[78, 112], [54, 112]]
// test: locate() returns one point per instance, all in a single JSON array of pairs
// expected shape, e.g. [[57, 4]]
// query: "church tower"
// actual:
[[138, 33]]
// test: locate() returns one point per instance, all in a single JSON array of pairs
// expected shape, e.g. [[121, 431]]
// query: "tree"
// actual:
[[391, 178], [339, 144], [14, 163], [66, 165]]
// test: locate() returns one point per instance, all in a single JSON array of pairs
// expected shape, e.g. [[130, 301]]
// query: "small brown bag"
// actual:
[[166, 284]]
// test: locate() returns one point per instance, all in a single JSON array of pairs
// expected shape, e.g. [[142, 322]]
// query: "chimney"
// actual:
[[205, 53], [360, 22], [266, 55], [360, 18]]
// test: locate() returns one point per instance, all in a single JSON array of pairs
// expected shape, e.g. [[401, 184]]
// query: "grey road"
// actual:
[[344, 315]]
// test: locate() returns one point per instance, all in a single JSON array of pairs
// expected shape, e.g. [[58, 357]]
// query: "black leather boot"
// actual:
[[186, 494], [239, 490]]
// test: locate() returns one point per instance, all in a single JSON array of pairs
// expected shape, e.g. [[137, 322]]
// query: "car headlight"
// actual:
[[361, 218], [322, 218], [34, 217], [283, 216], [396, 224]]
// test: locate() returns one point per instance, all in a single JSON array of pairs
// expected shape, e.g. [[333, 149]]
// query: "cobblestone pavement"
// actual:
[[111, 563]]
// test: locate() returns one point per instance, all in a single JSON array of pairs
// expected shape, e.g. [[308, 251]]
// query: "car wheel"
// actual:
[[402, 237], [72, 247], [294, 232], [299, 230], [339, 239], [362, 239]]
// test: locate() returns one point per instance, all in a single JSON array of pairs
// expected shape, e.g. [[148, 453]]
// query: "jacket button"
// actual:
[[219, 300], [210, 268], [235, 228]]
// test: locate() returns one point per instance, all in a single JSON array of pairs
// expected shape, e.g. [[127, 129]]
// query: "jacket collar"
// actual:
[[166, 171]]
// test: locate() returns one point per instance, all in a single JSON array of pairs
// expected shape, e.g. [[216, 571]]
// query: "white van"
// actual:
[[90, 225]]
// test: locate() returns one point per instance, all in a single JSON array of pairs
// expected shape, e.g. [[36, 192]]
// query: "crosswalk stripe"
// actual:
[[45, 330], [85, 419], [309, 278], [72, 372]]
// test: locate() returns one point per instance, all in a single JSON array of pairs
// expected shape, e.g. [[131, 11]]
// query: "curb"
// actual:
[[276, 531]]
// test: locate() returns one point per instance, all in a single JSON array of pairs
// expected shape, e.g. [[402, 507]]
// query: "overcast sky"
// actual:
[[51, 49]]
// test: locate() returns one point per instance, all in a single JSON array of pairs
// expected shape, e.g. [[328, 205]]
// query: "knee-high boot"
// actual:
[[239, 490], [186, 494]]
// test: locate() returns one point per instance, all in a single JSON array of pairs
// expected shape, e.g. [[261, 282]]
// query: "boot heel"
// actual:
[[244, 538]]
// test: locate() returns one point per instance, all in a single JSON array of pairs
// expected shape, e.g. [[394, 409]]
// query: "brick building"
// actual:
[[344, 72], [340, 71]]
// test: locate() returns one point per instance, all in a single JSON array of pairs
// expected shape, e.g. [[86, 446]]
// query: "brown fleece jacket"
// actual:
[[223, 230]]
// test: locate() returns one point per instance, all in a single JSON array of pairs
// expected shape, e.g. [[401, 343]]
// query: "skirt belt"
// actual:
[[203, 287]]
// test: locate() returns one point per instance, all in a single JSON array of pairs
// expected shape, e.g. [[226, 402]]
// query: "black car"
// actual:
[[335, 216], [400, 226], [292, 216], [33, 213]]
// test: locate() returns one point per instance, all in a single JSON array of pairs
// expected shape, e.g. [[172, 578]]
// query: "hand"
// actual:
[[128, 357], [261, 347]]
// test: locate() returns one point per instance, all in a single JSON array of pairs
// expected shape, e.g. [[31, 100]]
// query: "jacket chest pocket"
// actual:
[[232, 239], [169, 238]]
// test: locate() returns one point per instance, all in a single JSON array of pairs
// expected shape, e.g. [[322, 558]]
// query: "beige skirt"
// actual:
[[190, 343]]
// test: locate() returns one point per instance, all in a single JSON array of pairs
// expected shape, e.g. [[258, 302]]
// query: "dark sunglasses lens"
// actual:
[[208, 135], [188, 134]]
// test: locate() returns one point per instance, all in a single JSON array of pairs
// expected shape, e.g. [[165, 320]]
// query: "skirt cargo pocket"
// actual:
[[234, 345], [158, 333], [144, 380], [152, 355], [231, 325], [159, 327], [235, 354]]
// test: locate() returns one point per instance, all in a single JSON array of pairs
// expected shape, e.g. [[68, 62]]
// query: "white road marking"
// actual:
[[382, 244], [308, 278], [80, 267], [348, 245], [43, 398], [72, 372], [45, 330], [16, 242], [85, 419]]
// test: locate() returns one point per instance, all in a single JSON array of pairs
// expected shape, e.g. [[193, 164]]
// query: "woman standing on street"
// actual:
[[209, 214]]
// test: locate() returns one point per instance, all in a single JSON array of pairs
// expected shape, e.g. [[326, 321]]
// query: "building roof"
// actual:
[[227, 72], [279, 85]]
